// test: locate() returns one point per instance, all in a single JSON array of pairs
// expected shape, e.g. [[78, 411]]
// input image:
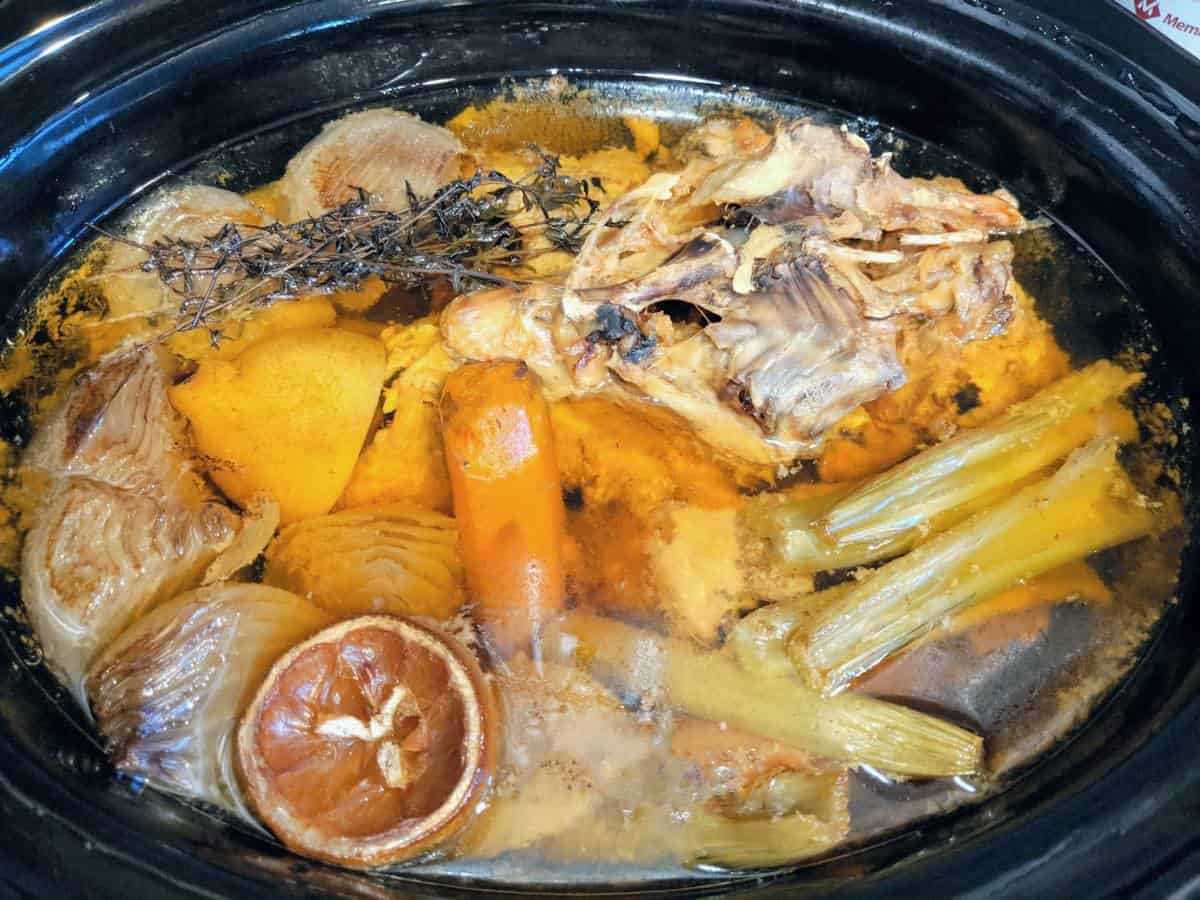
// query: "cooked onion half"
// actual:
[[168, 692], [384, 152], [196, 212], [382, 559]]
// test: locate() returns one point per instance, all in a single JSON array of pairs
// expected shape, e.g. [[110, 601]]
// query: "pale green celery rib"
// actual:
[[791, 816], [808, 549], [711, 685], [759, 640], [1018, 444], [786, 526], [1087, 506], [755, 843]]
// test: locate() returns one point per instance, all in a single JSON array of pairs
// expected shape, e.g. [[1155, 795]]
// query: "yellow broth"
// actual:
[[652, 535]]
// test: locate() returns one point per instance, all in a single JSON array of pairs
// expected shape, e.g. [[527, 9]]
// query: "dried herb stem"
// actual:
[[458, 234]]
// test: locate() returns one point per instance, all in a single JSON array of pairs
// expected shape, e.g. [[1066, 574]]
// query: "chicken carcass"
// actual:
[[127, 520], [801, 353], [827, 176], [802, 259]]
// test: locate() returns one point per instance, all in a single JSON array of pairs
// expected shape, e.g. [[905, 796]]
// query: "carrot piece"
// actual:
[[507, 499]]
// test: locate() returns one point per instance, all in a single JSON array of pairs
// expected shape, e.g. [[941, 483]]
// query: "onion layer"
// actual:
[[393, 558], [168, 692]]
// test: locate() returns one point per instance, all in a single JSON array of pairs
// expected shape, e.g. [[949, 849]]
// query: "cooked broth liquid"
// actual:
[[1025, 678]]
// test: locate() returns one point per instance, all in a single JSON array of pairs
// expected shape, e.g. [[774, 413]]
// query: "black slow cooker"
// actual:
[[1075, 106]]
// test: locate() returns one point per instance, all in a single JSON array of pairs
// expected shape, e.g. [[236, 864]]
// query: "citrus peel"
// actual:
[[371, 743]]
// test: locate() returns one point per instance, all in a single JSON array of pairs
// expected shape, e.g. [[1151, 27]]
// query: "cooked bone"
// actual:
[[803, 353], [970, 281], [511, 323], [688, 275], [635, 236], [687, 378], [817, 171]]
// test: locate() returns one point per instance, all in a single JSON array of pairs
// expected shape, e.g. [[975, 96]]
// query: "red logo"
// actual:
[[1146, 9]]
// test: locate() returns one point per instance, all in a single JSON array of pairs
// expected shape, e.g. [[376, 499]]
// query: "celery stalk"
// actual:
[[711, 685], [1088, 505], [808, 548], [789, 817], [785, 524], [940, 487], [1030, 436], [759, 640], [755, 843]]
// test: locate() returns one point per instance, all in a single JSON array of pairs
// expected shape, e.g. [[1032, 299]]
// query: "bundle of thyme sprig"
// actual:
[[458, 234]]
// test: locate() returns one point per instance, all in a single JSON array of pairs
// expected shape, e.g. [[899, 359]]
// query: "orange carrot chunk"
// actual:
[[507, 500]]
